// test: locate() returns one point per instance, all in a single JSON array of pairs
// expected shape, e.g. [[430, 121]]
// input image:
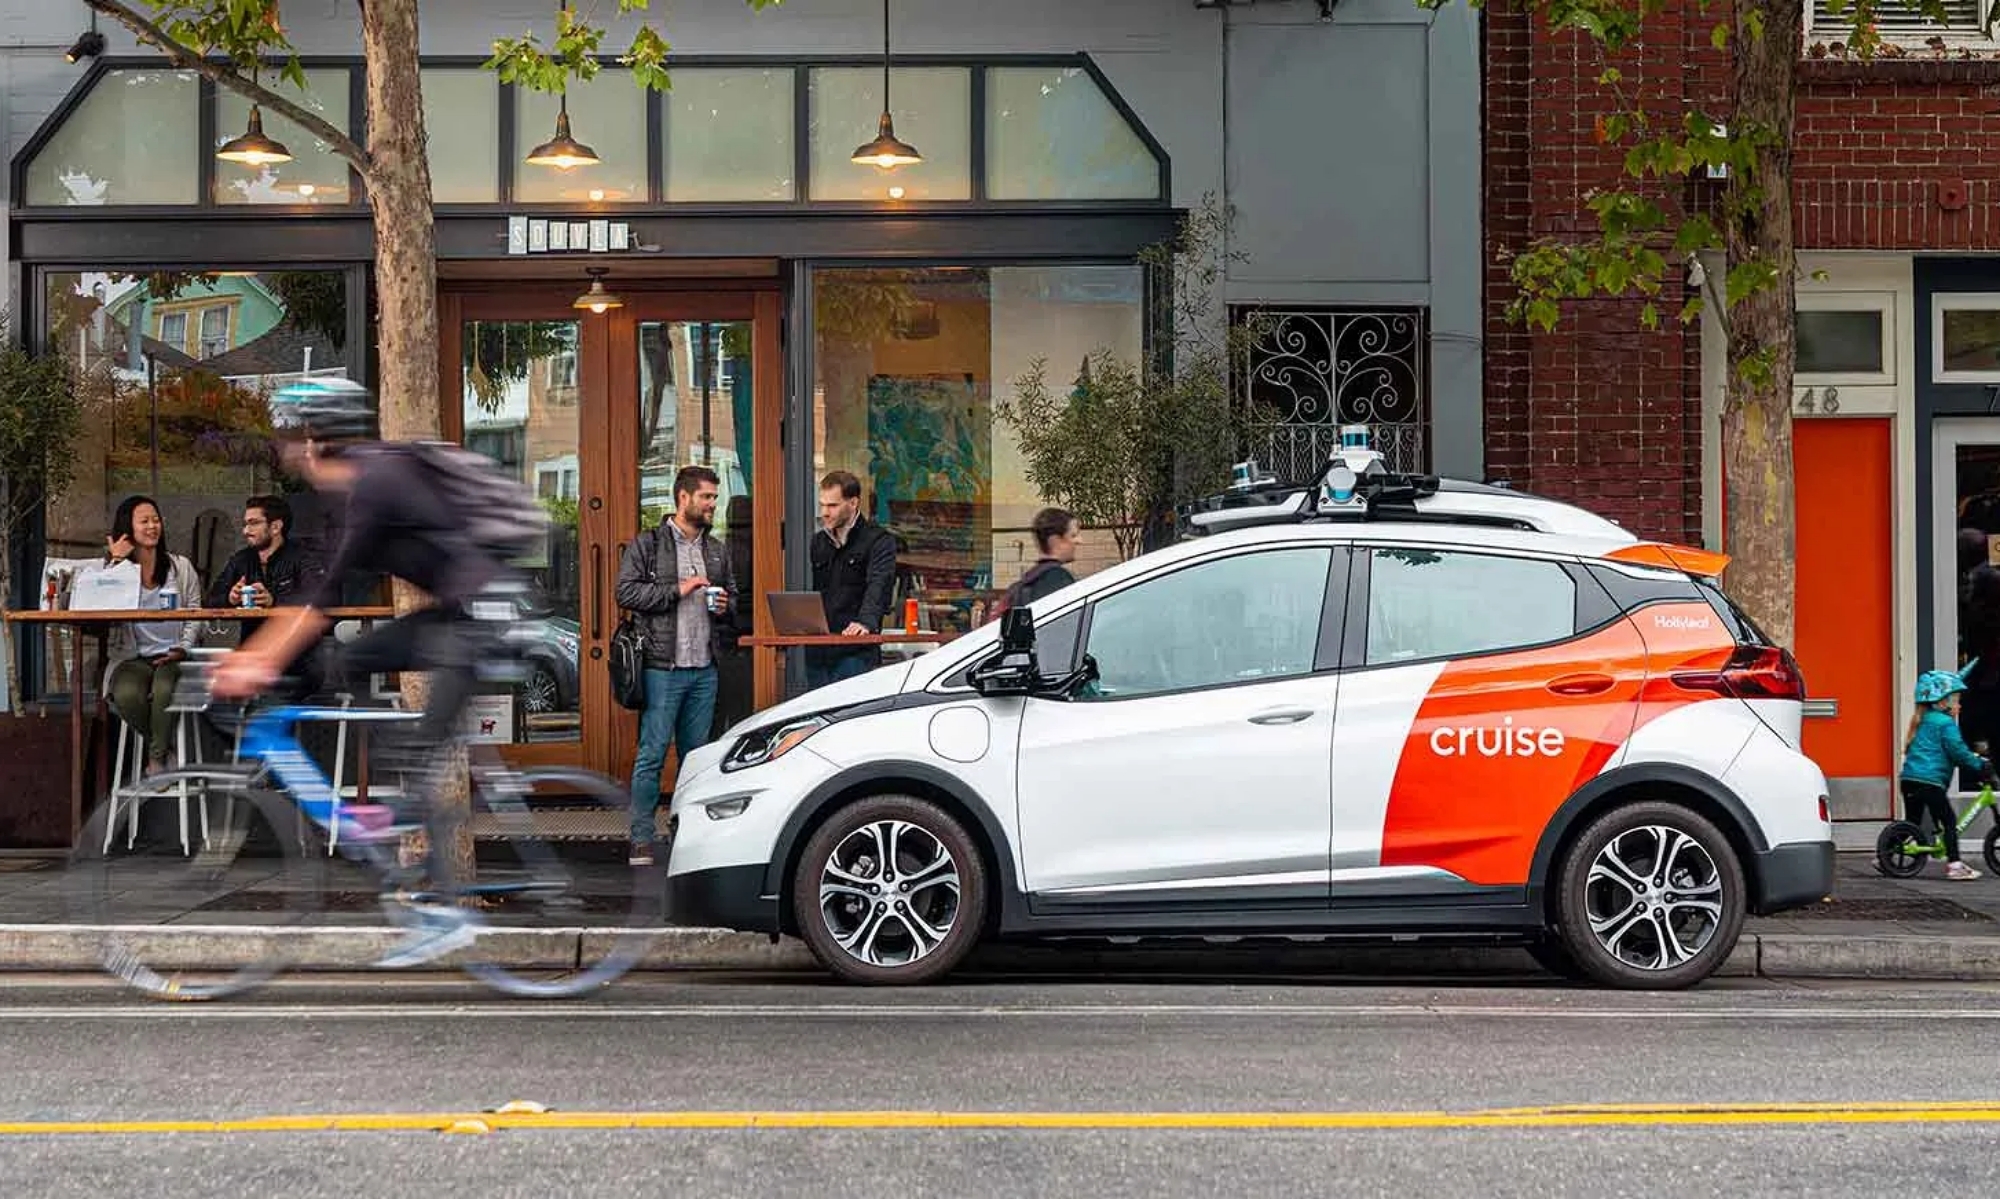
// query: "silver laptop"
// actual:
[[797, 613]]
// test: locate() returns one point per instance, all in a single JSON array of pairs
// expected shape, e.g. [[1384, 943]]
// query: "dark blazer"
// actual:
[[289, 574], [855, 581]]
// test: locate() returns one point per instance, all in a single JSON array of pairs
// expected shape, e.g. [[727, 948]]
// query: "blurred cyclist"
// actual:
[[404, 519]]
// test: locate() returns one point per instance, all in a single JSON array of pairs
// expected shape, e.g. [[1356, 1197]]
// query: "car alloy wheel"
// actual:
[[891, 889], [541, 695], [1652, 896]]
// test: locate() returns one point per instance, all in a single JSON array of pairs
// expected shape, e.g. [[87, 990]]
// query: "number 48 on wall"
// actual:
[[1824, 400]]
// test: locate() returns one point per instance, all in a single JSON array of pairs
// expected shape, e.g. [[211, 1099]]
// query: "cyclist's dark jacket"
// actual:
[[397, 524]]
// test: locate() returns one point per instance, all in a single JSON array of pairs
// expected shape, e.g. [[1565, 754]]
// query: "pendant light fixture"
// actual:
[[562, 151], [887, 151], [253, 148], [597, 299]]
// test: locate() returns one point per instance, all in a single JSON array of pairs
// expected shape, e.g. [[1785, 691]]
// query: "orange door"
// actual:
[[1846, 634]]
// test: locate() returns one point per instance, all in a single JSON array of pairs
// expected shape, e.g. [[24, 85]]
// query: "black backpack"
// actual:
[[1011, 598], [503, 519]]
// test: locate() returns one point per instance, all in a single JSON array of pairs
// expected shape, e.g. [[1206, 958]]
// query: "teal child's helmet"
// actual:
[[1935, 685]]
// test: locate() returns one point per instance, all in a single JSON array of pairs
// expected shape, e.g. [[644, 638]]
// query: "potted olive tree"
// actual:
[[1127, 441]]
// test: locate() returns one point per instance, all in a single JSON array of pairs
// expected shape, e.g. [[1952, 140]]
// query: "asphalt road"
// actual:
[[1000, 1087]]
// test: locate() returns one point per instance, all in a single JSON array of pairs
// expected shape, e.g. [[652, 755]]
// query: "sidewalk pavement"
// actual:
[[1873, 927]]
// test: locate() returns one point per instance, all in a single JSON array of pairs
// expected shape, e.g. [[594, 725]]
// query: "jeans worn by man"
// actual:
[[669, 578]]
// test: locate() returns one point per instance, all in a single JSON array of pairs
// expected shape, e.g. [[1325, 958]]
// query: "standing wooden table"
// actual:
[[98, 626]]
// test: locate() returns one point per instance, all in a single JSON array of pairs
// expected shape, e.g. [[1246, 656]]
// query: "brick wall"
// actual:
[[1601, 411]]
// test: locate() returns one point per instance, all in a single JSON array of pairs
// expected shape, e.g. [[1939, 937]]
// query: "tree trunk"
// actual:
[[399, 195], [1757, 410]]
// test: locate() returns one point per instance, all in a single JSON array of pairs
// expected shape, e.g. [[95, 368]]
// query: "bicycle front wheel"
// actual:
[[190, 880], [561, 911]]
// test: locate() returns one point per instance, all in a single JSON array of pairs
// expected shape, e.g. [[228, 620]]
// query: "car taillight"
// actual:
[[1752, 672]]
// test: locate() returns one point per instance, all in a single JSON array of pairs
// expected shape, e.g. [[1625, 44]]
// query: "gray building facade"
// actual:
[[782, 311]]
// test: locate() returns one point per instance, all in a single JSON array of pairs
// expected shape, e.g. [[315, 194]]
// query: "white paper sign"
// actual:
[[489, 719], [100, 588]]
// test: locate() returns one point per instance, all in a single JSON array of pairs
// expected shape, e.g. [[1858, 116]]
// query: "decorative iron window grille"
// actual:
[[1312, 370]]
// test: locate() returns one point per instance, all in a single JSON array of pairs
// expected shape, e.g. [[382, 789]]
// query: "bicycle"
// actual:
[[1901, 849], [274, 797]]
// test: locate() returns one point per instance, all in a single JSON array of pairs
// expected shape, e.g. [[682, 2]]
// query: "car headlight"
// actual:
[[759, 746]]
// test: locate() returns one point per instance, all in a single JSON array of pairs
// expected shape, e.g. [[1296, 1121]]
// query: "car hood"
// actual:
[[876, 684]]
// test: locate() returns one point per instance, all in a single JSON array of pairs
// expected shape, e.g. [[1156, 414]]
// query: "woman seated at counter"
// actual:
[[148, 654]]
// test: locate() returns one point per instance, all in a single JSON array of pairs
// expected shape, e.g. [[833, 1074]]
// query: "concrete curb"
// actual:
[[59, 948]]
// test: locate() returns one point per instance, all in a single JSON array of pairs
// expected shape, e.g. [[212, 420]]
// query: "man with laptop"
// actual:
[[854, 572]]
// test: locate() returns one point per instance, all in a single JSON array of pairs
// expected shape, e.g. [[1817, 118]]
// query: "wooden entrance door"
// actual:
[[597, 412]]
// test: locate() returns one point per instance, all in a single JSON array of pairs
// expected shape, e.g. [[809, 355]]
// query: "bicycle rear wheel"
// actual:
[[562, 912], [156, 889]]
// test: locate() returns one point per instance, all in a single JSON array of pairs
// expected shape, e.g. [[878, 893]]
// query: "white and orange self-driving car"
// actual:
[[1375, 706]]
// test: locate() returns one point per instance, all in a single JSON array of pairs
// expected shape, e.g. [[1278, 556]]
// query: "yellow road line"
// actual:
[[1566, 1116]]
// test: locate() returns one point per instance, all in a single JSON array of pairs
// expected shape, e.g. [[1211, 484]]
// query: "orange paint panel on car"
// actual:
[[1499, 744]]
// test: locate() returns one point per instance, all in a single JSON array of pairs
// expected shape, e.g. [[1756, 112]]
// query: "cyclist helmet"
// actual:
[[1936, 685], [329, 410]]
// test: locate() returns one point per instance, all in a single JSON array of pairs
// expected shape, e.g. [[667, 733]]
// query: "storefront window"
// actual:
[[135, 139], [933, 112], [729, 135], [460, 106], [608, 114], [909, 366], [175, 370], [1834, 341], [1052, 134], [315, 175]]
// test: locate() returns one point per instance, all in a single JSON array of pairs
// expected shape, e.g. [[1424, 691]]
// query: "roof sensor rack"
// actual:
[[1354, 486]]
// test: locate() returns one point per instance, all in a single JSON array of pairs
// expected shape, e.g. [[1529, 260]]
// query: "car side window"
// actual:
[[1242, 619], [1428, 604]]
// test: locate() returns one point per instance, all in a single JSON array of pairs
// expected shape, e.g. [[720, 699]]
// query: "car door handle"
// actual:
[[1282, 716], [1582, 684]]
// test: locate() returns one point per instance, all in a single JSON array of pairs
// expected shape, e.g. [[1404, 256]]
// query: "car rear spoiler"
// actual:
[[1707, 564]]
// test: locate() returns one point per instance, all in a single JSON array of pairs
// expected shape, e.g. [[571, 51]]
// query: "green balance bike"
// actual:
[[1902, 849]]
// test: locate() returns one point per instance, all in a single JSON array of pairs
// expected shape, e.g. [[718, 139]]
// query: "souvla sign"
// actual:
[[551, 235]]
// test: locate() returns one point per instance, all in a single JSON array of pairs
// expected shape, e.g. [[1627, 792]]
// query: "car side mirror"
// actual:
[[1017, 629], [1011, 669]]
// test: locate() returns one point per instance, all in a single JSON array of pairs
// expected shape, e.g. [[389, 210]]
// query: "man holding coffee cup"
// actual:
[[678, 581]]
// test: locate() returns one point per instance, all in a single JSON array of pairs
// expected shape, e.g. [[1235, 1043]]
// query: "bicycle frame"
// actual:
[[269, 742], [1935, 846]]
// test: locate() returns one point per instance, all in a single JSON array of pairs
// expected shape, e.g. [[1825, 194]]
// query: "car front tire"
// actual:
[[1651, 898], [890, 890]]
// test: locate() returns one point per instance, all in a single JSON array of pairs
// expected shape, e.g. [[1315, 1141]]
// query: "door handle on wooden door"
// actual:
[[596, 591], [1282, 716]]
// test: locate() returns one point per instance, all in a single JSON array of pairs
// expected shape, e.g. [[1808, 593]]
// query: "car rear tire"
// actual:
[[890, 891], [1651, 898]]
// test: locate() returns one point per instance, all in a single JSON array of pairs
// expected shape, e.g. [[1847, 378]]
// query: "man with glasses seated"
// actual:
[[269, 569]]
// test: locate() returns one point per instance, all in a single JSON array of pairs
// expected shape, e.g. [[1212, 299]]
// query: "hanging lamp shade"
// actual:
[[597, 299], [562, 151], [887, 150], [253, 148]]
